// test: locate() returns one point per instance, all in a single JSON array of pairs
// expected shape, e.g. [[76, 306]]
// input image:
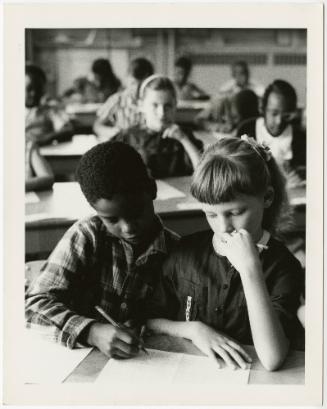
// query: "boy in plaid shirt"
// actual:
[[112, 259]]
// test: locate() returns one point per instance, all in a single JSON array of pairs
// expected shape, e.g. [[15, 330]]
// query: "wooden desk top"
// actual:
[[66, 203], [80, 144], [292, 372]]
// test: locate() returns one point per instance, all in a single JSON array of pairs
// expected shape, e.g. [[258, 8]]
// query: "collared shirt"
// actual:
[[164, 157], [200, 285], [281, 146], [120, 110], [91, 267]]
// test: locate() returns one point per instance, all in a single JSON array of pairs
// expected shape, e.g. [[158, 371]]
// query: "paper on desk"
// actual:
[[48, 362], [31, 197], [166, 191], [160, 367]]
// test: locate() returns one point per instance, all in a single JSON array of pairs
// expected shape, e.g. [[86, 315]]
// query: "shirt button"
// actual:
[[123, 306], [225, 286], [219, 308]]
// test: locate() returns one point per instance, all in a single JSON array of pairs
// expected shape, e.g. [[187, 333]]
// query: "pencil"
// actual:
[[116, 324]]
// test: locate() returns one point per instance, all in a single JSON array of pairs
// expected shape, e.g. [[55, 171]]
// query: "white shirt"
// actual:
[[280, 146]]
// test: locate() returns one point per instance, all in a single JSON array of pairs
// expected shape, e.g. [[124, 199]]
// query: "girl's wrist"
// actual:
[[251, 271]]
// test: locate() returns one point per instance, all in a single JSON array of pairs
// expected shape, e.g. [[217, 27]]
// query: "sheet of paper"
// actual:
[[166, 191], [160, 367], [31, 197], [48, 362]]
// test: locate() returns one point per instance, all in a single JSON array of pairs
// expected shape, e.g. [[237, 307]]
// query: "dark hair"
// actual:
[[283, 88], [157, 83], [247, 104], [141, 68], [185, 63], [36, 73], [112, 168], [103, 69], [243, 64], [233, 166]]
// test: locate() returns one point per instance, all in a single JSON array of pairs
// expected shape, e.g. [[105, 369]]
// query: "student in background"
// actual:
[[166, 149], [186, 90], [104, 78], [240, 80], [237, 284], [121, 110], [278, 129], [43, 122], [112, 259], [38, 173], [225, 116], [83, 91]]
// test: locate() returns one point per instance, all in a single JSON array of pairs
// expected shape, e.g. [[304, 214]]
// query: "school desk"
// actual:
[[50, 213], [63, 157], [187, 111], [292, 372]]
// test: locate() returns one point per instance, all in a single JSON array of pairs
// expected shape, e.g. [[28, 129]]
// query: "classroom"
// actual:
[[171, 101]]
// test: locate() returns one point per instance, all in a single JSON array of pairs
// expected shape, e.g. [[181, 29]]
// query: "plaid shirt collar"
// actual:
[[158, 244]]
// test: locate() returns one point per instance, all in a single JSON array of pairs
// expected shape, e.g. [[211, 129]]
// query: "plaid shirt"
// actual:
[[120, 110], [91, 267]]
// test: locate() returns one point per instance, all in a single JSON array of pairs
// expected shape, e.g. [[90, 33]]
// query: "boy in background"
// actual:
[[112, 260]]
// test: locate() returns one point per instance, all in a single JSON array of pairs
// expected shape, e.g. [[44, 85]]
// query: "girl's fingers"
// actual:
[[212, 356], [238, 347], [235, 355], [225, 356]]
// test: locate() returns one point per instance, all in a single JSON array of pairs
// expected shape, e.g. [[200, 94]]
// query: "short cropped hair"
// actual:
[[233, 166], [185, 63], [141, 68], [157, 83], [283, 88], [243, 64], [112, 168], [247, 104], [36, 73]]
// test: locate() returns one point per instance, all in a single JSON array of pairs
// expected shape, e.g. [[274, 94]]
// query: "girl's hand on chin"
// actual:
[[175, 132], [241, 251]]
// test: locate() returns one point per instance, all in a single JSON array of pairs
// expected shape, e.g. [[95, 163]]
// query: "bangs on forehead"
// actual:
[[222, 180]]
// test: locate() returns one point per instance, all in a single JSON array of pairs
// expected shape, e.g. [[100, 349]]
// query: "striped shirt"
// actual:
[[91, 267], [120, 110]]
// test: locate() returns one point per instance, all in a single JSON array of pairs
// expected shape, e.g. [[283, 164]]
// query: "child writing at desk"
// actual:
[[236, 284], [166, 149], [111, 260]]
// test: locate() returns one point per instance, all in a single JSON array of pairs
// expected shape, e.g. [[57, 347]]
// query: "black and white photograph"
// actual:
[[169, 230]]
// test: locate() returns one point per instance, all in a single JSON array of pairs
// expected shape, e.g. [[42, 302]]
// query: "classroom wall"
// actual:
[[68, 53]]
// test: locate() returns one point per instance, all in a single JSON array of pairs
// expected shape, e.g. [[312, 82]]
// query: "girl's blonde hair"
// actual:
[[158, 83], [233, 166]]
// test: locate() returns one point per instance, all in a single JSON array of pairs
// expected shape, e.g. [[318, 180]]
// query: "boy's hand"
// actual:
[[241, 251], [114, 342], [175, 132], [213, 343]]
